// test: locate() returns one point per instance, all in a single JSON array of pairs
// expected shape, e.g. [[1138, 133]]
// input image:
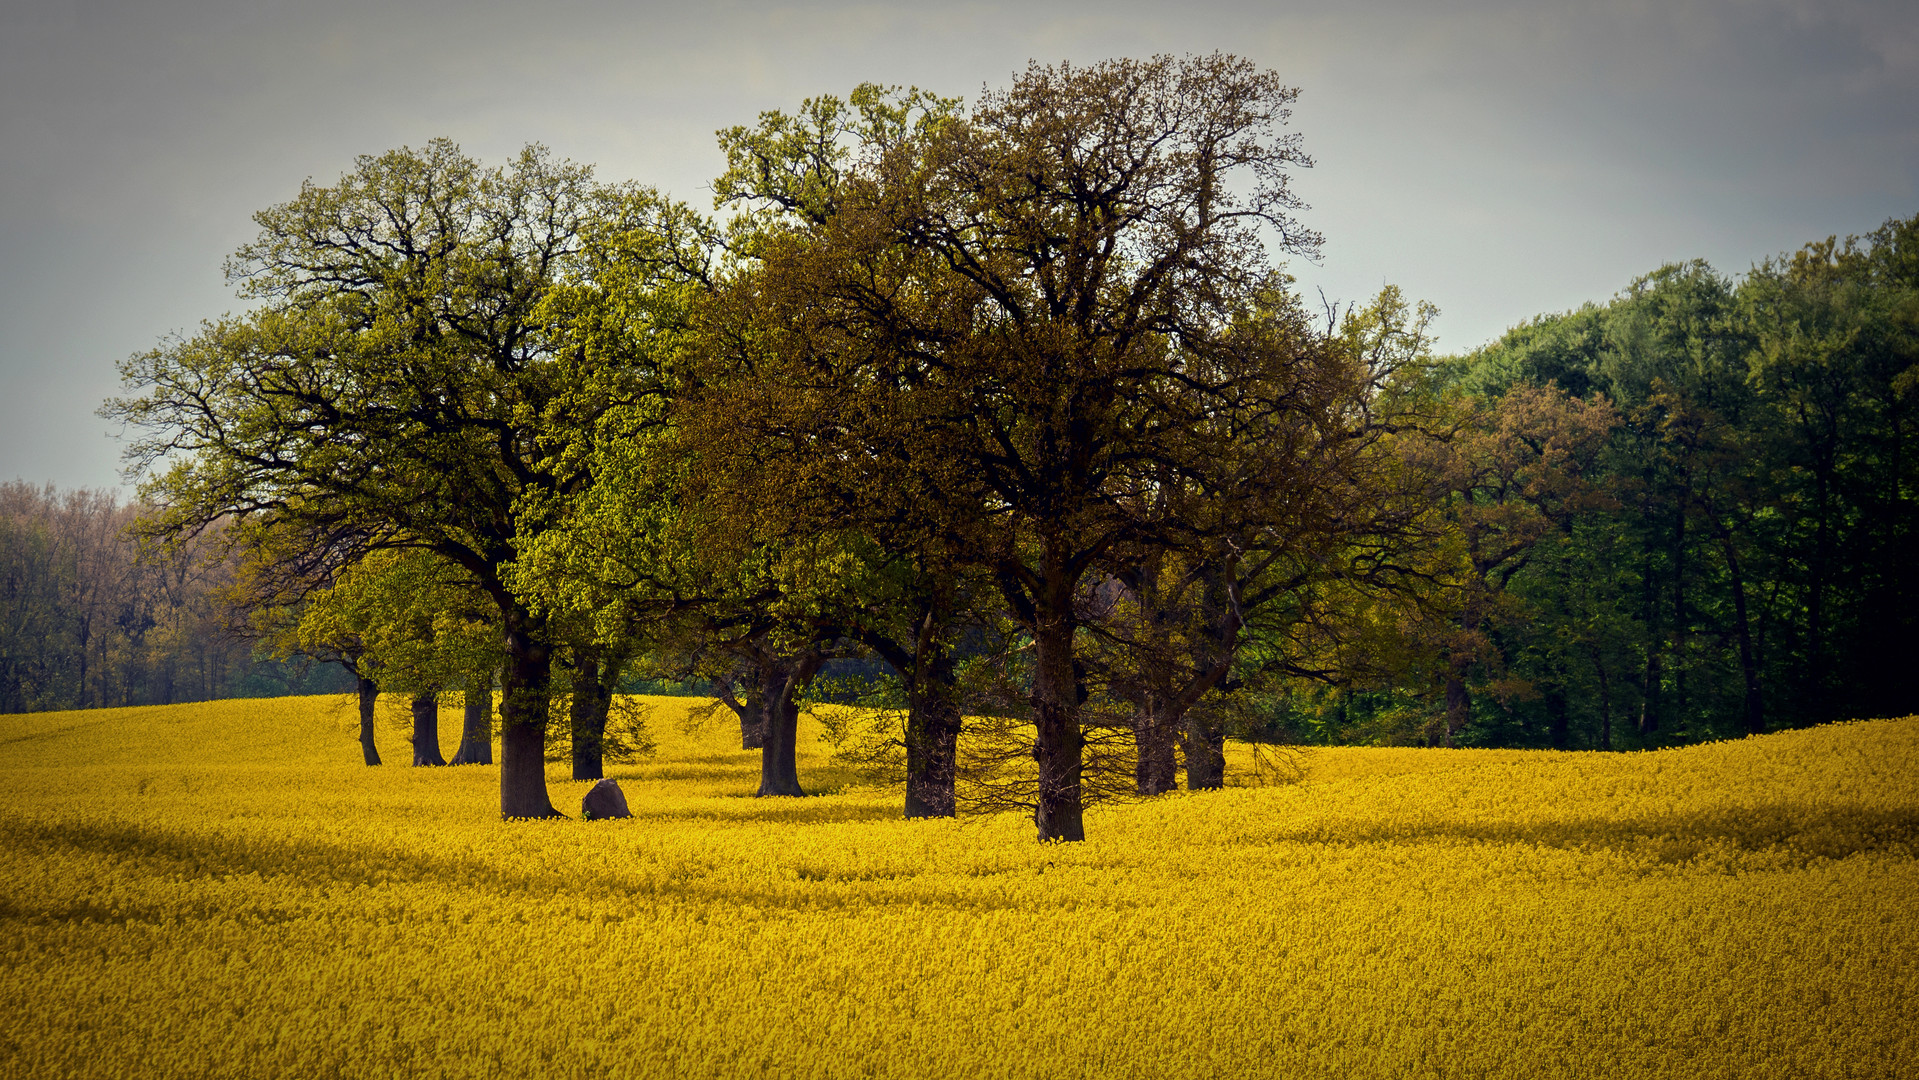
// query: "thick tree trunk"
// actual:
[[1156, 731], [524, 687], [592, 702], [1205, 754], [1058, 744], [932, 745], [932, 705], [476, 727], [780, 681], [779, 765], [426, 729], [369, 696]]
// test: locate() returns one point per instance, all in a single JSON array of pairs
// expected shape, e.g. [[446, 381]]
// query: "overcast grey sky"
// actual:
[[1500, 159]]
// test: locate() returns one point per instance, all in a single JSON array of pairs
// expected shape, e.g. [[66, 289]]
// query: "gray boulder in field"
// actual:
[[605, 800]]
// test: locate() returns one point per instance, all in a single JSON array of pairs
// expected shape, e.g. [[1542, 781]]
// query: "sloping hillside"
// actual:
[[223, 890]]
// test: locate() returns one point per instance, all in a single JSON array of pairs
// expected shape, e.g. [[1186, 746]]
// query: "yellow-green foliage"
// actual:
[[222, 890]]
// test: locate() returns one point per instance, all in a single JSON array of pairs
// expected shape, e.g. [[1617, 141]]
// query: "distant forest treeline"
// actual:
[[1744, 559], [1749, 562], [85, 622]]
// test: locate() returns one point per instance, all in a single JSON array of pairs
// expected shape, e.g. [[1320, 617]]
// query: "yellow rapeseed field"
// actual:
[[223, 890]]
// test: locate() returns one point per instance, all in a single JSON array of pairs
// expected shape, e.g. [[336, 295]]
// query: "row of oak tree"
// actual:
[[1013, 400]]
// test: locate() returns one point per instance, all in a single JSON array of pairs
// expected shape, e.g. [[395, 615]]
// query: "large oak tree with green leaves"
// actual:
[[1059, 304], [433, 338]]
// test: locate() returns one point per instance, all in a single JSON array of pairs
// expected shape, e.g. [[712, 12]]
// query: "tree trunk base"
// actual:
[[1205, 756], [523, 774], [1157, 771], [1062, 821], [1058, 745], [932, 744], [369, 696], [476, 728], [426, 730]]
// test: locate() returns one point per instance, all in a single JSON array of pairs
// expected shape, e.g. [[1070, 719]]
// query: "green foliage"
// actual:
[[1748, 565], [413, 621], [1014, 399]]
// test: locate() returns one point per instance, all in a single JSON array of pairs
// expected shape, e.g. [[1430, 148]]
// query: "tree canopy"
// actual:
[[412, 376], [1009, 412]]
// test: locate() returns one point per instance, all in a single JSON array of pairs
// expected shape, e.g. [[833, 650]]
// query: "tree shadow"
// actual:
[[1794, 833], [138, 850]]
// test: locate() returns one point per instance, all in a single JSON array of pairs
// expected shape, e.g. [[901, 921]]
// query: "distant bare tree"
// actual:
[[89, 618]]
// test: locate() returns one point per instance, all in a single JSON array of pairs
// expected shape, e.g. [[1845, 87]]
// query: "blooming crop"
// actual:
[[223, 890]]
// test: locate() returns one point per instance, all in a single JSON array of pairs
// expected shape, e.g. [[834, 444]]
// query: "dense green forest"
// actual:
[[1008, 415], [1747, 563]]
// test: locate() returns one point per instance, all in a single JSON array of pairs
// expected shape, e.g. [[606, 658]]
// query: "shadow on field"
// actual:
[[136, 851], [181, 855], [745, 809], [728, 776], [54, 733], [1798, 833], [685, 772]]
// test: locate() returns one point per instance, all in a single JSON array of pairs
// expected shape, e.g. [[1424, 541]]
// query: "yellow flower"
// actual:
[[222, 890]]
